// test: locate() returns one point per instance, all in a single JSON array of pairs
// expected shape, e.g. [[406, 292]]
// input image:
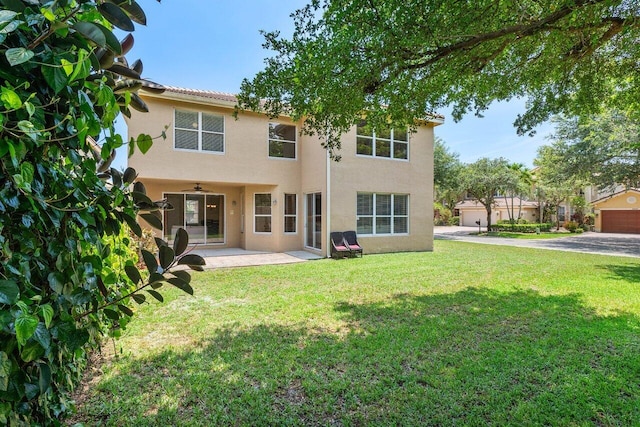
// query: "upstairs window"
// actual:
[[388, 143], [198, 131], [282, 141]]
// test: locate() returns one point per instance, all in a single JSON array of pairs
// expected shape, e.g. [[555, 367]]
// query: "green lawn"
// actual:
[[467, 335]]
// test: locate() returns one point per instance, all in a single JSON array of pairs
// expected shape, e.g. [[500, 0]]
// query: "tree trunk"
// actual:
[[488, 218], [509, 212]]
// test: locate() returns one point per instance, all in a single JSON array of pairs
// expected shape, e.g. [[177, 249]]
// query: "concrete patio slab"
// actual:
[[235, 257]]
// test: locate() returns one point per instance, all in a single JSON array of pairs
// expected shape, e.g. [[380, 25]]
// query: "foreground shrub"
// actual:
[[68, 274]]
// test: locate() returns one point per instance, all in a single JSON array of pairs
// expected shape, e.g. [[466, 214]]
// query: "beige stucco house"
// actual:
[[259, 184], [618, 212], [471, 211]]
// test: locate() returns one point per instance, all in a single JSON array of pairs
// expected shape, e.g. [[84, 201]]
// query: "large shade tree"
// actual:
[[601, 150], [487, 179], [447, 169], [402, 59]]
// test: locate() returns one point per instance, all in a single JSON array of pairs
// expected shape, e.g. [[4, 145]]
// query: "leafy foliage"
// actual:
[[486, 179], [402, 59], [68, 275], [446, 175], [601, 150]]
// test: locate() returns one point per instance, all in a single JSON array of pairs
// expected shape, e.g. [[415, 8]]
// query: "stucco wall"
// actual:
[[629, 200], [367, 174], [245, 169]]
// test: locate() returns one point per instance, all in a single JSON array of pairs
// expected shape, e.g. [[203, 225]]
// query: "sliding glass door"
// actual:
[[201, 215], [313, 220]]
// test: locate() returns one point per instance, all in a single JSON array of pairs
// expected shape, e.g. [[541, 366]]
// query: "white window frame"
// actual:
[[392, 141], [293, 215], [294, 142], [261, 215], [200, 132], [374, 216]]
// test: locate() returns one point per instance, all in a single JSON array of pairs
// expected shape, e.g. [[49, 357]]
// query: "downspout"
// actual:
[[328, 221]]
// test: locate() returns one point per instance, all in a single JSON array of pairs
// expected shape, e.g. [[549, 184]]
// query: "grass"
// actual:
[[466, 335]]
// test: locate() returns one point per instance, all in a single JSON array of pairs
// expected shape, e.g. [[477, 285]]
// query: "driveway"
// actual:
[[595, 243]]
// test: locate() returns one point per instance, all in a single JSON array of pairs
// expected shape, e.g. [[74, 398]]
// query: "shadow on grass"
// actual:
[[627, 272], [476, 357]]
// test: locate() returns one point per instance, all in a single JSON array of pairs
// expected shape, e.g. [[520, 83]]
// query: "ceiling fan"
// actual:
[[197, 189]]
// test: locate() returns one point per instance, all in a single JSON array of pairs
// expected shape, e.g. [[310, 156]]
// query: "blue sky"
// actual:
[[214, 44]]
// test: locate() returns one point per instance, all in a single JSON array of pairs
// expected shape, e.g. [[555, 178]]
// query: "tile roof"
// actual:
[[230, 97], [220, 96]]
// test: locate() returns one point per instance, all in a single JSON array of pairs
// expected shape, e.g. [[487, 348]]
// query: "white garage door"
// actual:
[[469, 218]]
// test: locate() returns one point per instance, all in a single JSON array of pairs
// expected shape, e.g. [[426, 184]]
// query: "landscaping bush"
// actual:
[[454, 220], [571, 226], [521, 228]]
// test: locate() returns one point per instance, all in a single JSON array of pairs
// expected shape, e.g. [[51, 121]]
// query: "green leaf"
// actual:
[[5, 371], [91, 31], [116, 16], [166, 256], [56, 77], [9, 292], [111, 314], [7, 16], [144, 142], [42, 336], [180, 284], [111, 40], [44, 381], [153, 220], [155, 294], [139, 298], [149, 260], [67, 66], [126, 310], [191, 259], [129, 176], [56, 282], [31, 351], [182, 275], [181, 241], [134, 11], [133, 273], [46, 311], [18, 55], [25, 326], [10, 99], [133, 225]]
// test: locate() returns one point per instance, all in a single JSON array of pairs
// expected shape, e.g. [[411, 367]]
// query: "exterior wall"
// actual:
[[469, 215], [354, 173], [246, 153], [629, 200], [245, 168], [313, 179]]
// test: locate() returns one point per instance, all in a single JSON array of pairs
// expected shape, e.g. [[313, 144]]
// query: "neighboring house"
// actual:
[[471, 211], [618, 212], [259, 184]]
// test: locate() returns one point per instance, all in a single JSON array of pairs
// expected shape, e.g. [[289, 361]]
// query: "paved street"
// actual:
[[596, 243]]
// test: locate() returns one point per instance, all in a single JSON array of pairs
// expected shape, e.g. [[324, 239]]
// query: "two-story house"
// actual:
[[257, 183]]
